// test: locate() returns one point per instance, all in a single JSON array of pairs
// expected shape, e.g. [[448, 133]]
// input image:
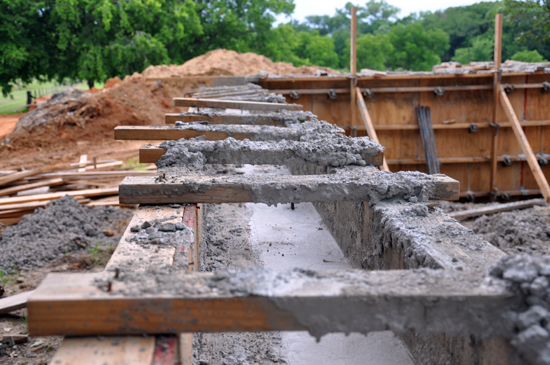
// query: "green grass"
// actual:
[[134, 164], [18, 98]]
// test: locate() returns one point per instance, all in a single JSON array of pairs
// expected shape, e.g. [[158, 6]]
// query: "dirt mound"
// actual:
[[222, 62], [516, 232], [75, 115], [64, 226]]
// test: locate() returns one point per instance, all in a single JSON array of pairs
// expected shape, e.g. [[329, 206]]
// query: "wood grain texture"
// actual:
[[172, 133], [525, 146], [14, 302], [281, 188], [464, 214], [234, 104], [73, 303], [53, 196], [255, 119], [105, 351], [367, 121], [39, 184]]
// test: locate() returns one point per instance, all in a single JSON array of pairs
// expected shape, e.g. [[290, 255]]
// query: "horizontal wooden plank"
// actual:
[[14, 302], [150, 153], [259, 153], [262, 300], [234, 104], [211, 133], [93, 174], [356, 185], [403, 127], [53, 196], [131, 256], [497, 208], [274, 79], [172, 133], [453, 160], [39, 184], [221, 118], [105, 351]]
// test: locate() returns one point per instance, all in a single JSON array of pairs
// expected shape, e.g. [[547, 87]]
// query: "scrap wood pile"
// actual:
[[91, 183]]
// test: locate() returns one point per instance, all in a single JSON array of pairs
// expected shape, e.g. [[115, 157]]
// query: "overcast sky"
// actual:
[[327, 7]]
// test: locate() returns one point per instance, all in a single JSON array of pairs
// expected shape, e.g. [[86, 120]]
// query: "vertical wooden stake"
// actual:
[[353, 65], [525, 146], [496, 98]]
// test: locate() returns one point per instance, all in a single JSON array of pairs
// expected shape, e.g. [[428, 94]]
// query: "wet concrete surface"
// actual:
[[284, 238]]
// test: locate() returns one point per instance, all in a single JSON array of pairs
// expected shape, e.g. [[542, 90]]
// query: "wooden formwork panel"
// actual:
[[458, 107]]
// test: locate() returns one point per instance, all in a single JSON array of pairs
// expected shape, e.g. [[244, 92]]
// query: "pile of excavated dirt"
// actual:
[[516, 232], [230, 63], [75, 115], [63, 227]]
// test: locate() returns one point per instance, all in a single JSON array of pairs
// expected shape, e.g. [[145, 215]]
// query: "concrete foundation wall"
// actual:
[[372, 237]]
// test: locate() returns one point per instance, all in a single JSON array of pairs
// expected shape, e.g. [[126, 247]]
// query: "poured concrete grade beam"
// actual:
[[257, 299], [234, 104], [354, 184], [282, 118], [219, 132], [325, 150]]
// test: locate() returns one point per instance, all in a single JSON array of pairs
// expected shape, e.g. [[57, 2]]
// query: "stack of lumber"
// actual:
[[92, 183]]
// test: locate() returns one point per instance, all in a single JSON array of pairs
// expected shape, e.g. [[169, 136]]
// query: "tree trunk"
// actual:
[[90, 84]]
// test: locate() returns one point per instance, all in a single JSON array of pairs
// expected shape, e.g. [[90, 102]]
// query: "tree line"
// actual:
[[96, 39]]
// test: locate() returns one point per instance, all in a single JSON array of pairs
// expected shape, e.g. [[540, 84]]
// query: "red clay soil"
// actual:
[[91, 122], [230, 63], [7, 124]]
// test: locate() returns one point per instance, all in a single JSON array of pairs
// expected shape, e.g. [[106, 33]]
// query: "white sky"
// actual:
[[327, 7]]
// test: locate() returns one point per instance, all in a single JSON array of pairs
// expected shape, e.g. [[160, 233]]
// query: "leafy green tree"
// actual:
[[374, 15], [415, 48], [240, 25], [533, 16], [99, 39], [373, 51], [528, 56], [25, 42], [301, 48], [481, 50], [282, 45], [462, 23]]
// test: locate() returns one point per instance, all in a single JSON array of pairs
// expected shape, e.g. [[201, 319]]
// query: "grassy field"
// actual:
[[18, 98]]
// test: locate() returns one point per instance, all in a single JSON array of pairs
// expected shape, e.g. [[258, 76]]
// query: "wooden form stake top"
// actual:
[[496, 97]]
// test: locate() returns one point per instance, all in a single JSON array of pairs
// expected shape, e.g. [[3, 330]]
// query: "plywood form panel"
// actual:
[[461, 106], [461, 143], [509, 177], [334, 111], [401, 144], [473, 176], [392, 109]]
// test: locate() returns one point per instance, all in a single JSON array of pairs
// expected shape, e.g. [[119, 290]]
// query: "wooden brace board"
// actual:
[[219, 118], [280, 188], [78, 304]]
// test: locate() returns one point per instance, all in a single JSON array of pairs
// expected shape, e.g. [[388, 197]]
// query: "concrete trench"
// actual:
[[281, 238], [338, 236]]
